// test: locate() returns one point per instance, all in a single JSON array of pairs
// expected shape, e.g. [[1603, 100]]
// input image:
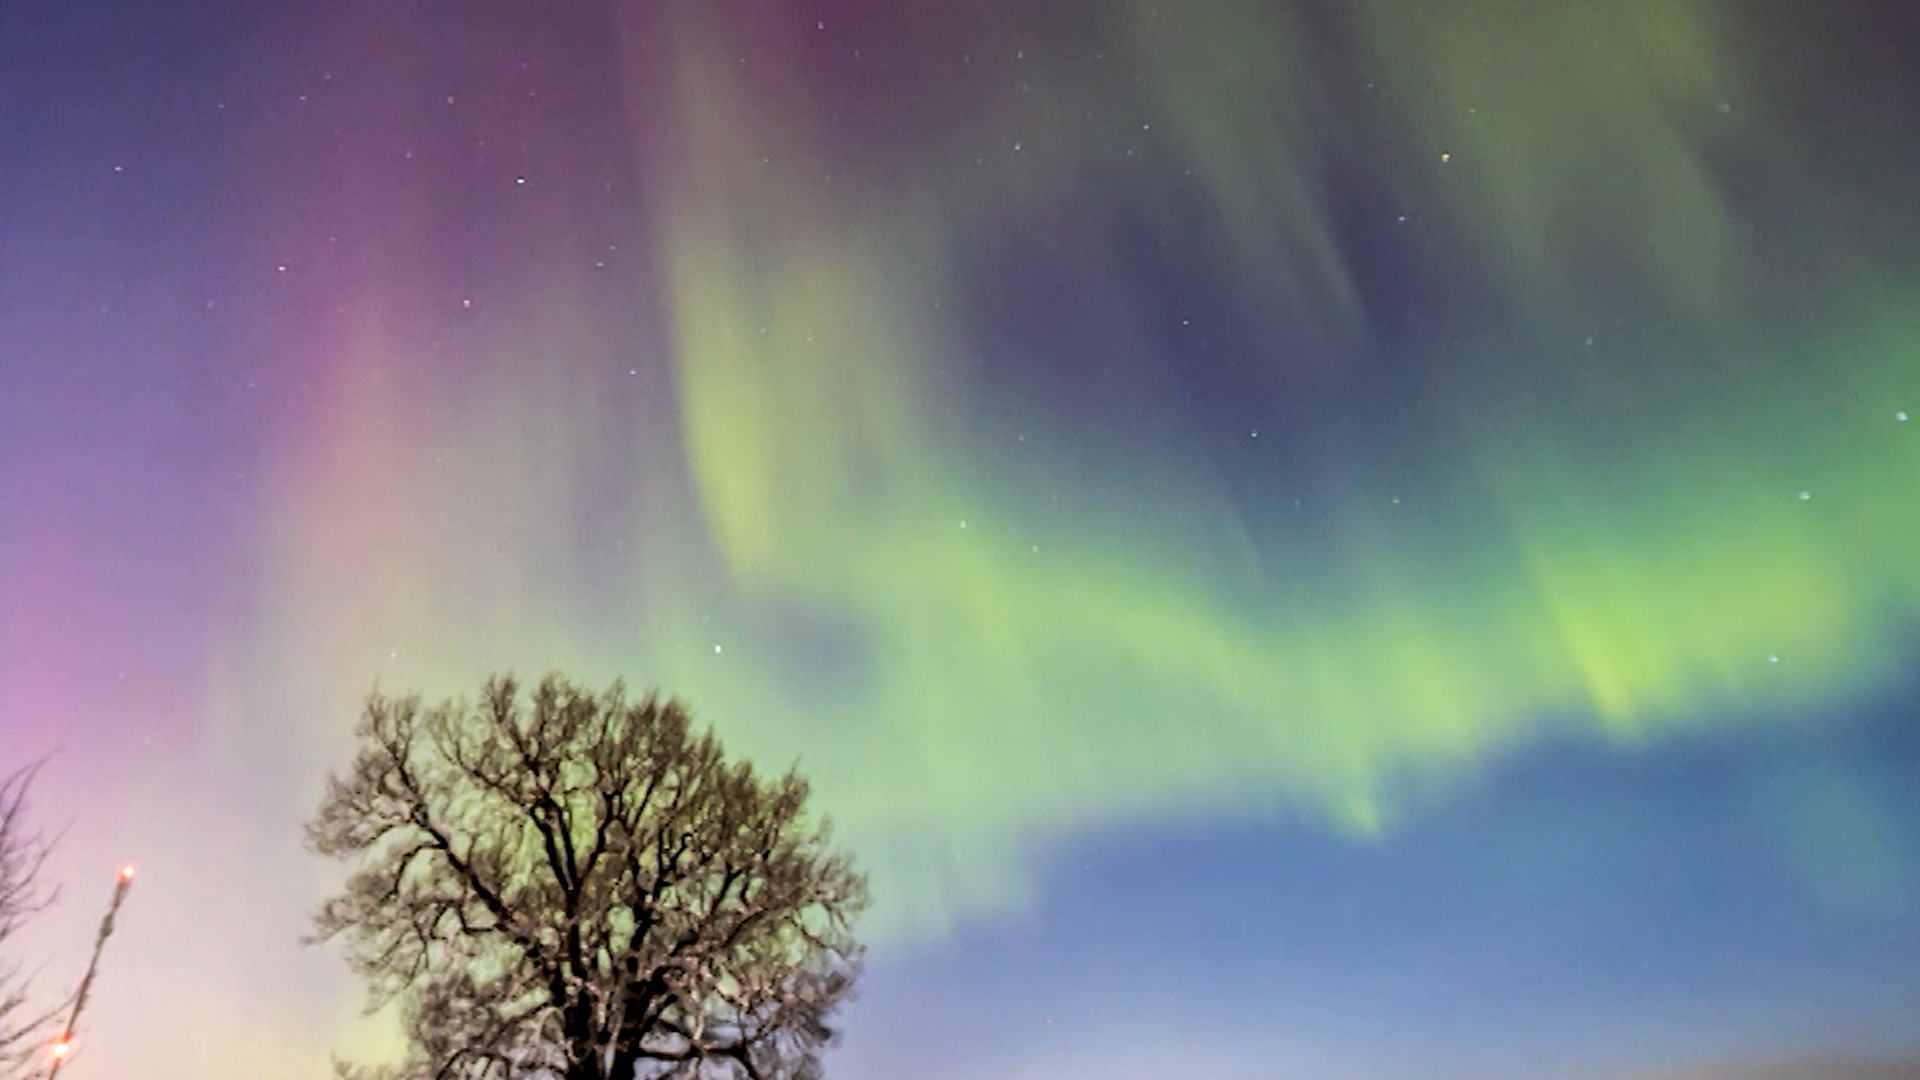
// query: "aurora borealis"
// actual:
[[1382, 531]]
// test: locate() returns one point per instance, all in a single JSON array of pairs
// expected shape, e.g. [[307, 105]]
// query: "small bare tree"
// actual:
[[23, 852], [567, 883]]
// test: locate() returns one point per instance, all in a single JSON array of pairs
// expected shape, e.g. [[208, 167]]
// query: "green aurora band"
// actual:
[[984, 618]]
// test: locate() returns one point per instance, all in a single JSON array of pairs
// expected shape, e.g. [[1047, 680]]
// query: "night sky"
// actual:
[[1296, 541]]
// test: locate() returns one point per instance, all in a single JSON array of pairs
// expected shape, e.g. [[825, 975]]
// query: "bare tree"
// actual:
[[566, 883], [23, 852]]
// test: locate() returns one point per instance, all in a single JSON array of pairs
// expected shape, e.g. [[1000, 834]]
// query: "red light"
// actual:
[[126, 872], [61, 1048]]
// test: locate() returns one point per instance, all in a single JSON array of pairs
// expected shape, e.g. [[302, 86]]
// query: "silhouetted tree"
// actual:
[[566, 883], [23, 852]]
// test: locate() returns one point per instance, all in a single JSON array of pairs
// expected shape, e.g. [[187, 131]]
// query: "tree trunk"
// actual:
[[588, 1062]]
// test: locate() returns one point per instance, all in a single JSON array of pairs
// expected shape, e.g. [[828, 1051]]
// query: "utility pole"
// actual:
[[63, 1046]]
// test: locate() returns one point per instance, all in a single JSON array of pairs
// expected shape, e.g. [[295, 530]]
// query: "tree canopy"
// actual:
[[566, 882], [23, 851]]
